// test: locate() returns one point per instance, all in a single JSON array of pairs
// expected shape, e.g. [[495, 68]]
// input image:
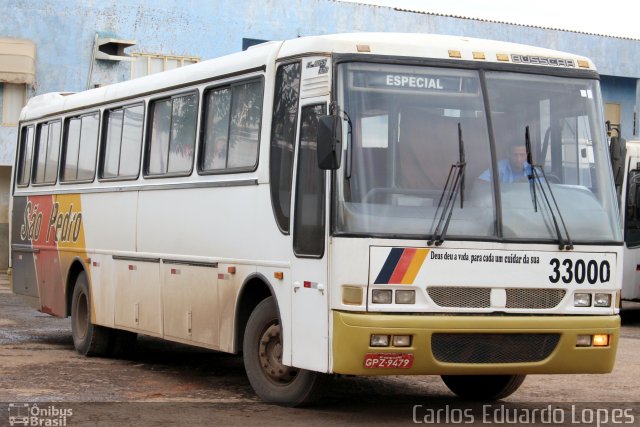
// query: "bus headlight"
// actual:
[[583, 341], [379, 340], [381, 296], [401, 340], [582, 300], [405, 297], [602, 300]]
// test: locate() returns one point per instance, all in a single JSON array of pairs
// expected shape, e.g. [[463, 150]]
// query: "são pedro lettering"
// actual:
[[62, 226]]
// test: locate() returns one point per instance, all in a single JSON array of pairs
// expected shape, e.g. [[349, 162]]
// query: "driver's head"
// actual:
[[517, 156]]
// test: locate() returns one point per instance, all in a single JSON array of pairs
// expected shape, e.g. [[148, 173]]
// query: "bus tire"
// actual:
[[88, 339], [272, 381], [483, 387]]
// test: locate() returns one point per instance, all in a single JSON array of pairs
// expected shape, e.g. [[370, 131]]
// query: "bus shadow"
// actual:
[[630, 313]]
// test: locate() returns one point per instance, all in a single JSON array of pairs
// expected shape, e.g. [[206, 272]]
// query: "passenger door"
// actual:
[[310, 318]]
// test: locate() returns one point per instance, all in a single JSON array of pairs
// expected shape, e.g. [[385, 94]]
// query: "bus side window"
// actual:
[[283, 135], [232, 127], [173, 135], [216, 129], [122, 146], [308, 222], [46, 152], [80, 148], [244, 125], [25, 154]]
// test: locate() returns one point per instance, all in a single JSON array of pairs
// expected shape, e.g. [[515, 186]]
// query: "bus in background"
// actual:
[[625, 158], [361, 204]]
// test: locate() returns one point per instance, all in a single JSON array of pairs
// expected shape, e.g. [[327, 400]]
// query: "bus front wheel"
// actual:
[[88, 339], [262, 353], [483, 387]]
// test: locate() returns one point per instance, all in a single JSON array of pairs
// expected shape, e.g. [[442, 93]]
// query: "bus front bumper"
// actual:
[[472, 345]]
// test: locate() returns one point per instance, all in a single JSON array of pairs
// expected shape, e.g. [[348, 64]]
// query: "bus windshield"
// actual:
[[408, 125]]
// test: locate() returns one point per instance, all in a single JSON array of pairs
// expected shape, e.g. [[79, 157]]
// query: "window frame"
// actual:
[[65, 140], [103, 140], [148, 133], [203, 127], [35, 148]]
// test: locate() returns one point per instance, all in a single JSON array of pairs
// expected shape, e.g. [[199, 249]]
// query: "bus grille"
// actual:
[[492, 348], [454, 296], [534, 298], [461, 297]]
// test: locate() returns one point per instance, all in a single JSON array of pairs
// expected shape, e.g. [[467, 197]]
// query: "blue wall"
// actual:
[[64, 31], [619, 90]]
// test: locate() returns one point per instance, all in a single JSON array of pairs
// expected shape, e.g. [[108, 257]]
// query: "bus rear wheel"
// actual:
[[88, 339], [262, 353], [483, 387]]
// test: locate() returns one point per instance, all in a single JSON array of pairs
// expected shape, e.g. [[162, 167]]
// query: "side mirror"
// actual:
[[329, 142]]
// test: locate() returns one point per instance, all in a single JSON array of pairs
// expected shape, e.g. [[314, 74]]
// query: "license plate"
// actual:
[[388, 360]]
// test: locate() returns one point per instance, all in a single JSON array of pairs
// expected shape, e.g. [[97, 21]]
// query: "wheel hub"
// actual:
[[270, 355]]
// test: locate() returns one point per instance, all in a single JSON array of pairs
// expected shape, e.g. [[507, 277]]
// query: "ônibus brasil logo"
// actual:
[[26, 414]]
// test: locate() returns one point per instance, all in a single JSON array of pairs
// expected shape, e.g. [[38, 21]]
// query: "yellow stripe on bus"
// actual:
[[414, 267]]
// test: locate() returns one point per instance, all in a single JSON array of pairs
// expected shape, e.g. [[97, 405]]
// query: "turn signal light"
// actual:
[[601, 340], [352, 295]]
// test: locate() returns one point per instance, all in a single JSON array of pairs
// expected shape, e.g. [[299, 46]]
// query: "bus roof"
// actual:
[[396, 44], [419, 45]]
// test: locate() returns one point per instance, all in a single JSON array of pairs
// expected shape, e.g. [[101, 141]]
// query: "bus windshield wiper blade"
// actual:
[[335, 109], [535, 180], [452, 187]]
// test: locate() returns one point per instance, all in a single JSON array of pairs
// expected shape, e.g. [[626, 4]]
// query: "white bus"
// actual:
[[340, 204], [626, 163]]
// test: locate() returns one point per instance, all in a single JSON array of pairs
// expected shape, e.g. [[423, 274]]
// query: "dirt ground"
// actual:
[[42, 377]]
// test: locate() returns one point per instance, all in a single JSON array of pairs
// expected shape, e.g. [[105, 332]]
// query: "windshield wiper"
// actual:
[[453, 186], [534, 180], [334, 108]]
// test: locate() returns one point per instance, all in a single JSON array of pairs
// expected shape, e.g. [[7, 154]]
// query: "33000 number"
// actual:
[[580, 271]]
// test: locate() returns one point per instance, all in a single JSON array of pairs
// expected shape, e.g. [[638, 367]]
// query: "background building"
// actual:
[[73, 45]]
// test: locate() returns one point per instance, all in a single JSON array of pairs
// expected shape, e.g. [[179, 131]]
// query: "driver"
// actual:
[[513, 169]]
